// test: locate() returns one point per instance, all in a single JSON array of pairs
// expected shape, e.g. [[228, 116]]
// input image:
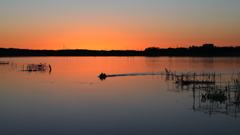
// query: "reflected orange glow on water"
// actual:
[[72, 94], [81, 73]]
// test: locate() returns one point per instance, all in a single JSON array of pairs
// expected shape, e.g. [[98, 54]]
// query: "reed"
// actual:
[[211, 94], [42, 67]]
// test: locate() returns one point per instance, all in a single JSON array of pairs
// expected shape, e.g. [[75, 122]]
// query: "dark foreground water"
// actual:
[[72, 100]]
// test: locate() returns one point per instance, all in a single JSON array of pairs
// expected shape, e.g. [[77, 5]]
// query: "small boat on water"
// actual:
[[102, 76]]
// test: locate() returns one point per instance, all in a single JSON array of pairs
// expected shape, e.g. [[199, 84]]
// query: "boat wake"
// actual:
[[103, 76]]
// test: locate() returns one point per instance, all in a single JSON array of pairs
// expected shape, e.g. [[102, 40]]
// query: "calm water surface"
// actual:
[[72, 100]]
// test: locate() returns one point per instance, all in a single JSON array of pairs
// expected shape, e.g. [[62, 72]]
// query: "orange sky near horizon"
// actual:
[[115, 25]]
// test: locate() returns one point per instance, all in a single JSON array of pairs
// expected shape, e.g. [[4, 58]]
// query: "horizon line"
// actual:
[[116, 49]]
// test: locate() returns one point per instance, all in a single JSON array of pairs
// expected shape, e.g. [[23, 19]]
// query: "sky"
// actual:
[[118, 24]]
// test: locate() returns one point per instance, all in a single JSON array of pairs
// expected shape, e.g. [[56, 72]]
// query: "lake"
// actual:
[[139, 100]]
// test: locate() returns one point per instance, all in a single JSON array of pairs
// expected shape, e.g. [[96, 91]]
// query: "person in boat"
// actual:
[[102, 76]]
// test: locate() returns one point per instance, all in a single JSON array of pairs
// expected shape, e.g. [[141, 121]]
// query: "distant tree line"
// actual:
[[204, 50]]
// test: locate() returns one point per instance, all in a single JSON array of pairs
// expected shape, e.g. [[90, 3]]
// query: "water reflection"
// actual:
[[211, 95], [41, 67], [136, 99], [208, 62], [4, 62], [37, 68]]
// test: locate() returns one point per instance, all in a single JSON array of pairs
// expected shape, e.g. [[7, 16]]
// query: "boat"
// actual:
[[102, 76]]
